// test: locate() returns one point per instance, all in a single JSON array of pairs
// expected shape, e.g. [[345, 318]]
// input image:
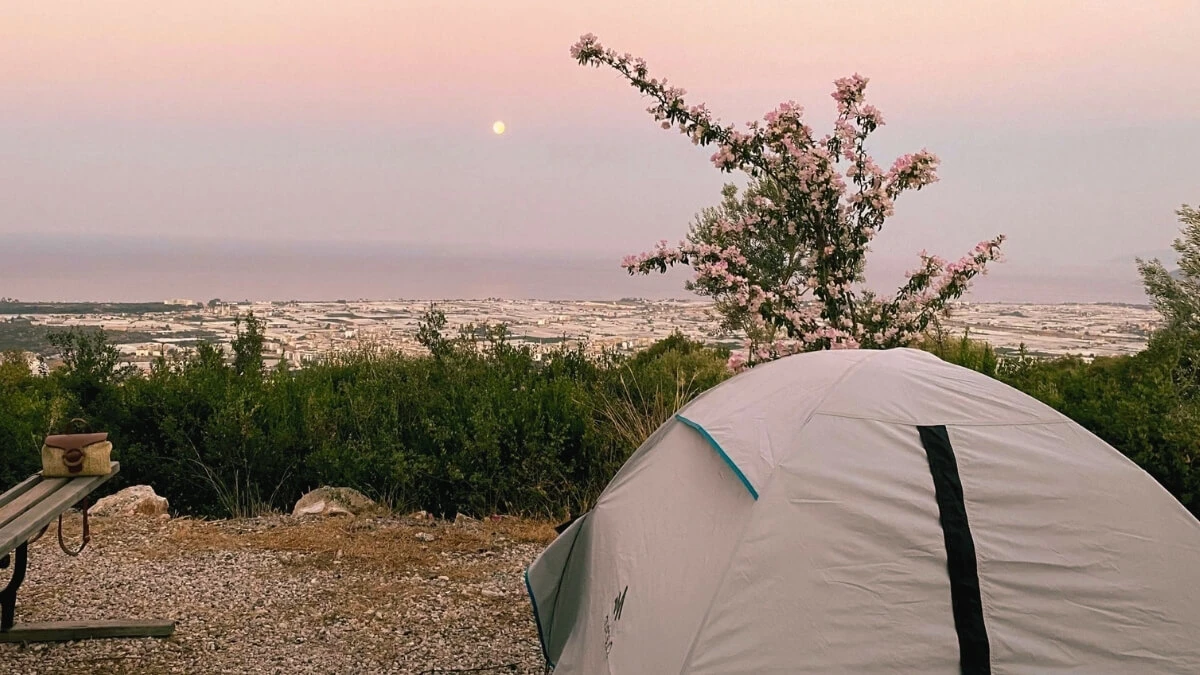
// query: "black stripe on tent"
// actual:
[[973, 649]]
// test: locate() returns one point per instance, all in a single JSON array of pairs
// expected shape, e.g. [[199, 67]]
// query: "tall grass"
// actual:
[[642, 407]]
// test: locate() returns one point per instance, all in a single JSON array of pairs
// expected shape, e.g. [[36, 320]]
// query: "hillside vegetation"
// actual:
[[478, 426], [482, 426]]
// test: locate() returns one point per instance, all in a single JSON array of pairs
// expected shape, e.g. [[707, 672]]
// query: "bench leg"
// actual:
[[8, 597], [63, 630]]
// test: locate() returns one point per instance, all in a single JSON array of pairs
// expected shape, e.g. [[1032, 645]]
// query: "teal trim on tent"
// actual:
[[717, 446], [537, 620]]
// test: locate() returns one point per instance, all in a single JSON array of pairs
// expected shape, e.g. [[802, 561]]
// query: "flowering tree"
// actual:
[[783, 258]]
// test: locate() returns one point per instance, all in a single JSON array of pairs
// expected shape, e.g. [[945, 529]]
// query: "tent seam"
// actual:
[[537, 619], [557, 590], [737, 471], [1031, 423], [687, 659], [816, 409], [613, 484], [985, 598], [828, 392], [962, 555]]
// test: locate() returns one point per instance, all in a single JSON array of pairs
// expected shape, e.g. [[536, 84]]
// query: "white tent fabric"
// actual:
[[873, 512]]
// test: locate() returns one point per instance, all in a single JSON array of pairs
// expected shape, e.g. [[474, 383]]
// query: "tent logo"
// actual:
[[612, 618], [619, 604]]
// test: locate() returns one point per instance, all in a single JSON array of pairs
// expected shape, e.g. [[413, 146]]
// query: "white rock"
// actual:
[[334, 501], [137, 500], [424, 536]]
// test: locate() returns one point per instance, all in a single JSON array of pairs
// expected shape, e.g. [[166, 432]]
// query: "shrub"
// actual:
[[29, 407], [962, 351], [480, 426], [486, 427]]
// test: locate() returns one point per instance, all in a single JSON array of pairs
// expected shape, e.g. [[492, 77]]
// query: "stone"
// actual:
[[424, 536], [136, 500], [334, 501]]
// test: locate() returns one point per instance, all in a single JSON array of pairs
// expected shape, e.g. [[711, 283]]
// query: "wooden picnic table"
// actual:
[[26, 511]]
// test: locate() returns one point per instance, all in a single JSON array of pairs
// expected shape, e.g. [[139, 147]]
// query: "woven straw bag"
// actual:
[[70, 455]]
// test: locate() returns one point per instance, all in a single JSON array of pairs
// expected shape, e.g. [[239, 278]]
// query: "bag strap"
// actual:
[[87, 533]]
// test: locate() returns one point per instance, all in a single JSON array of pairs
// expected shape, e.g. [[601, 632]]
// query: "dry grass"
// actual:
[[381, 543], [638, 412]]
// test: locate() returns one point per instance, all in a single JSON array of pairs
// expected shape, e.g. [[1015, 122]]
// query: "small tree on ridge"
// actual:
[[1177, 297], [782, 258]]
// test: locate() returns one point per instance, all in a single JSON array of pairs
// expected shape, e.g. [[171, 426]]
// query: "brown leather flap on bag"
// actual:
[[75, 441]]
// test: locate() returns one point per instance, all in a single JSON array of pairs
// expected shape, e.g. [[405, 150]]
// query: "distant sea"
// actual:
[[132, 270]]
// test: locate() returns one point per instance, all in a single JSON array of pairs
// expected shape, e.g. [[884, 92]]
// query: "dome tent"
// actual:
[[872, 512]]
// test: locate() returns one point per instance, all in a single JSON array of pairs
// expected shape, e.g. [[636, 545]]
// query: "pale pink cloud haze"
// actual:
[[1074, 127], [254, 60]]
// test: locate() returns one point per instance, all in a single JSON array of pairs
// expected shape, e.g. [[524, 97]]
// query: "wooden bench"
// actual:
[[26, 511]]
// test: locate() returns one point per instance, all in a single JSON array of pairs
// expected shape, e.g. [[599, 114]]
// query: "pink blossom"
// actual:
[[737, 362], [913, 171], [869, 113], [813, 203], [724, 158], [587, 43], [849, 90]]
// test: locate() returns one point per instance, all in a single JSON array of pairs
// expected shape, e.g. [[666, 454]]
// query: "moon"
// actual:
[[498, 127]]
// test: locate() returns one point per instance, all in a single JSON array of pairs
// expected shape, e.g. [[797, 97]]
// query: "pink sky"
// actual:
[[1073, 127], [259, 62]]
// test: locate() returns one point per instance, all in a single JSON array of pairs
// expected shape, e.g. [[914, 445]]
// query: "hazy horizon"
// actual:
[[355, 128], [203, 269]]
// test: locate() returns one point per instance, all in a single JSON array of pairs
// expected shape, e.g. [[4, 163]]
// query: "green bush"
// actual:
[[29, 407], [481, 425], [478, 426], [962, 351]]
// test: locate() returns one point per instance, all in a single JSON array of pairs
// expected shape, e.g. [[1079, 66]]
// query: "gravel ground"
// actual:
[[284, 595]]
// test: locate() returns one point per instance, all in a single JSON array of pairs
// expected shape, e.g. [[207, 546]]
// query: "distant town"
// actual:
[[298, 332]]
